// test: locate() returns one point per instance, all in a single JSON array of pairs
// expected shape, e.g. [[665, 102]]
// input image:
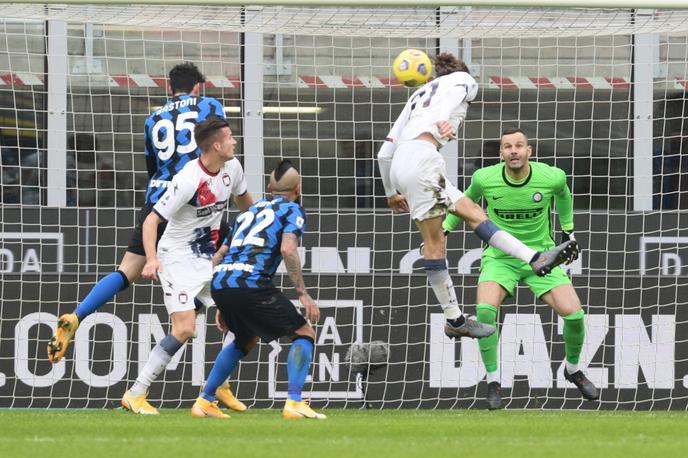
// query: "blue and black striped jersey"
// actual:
[[169, 141], [254, 249]]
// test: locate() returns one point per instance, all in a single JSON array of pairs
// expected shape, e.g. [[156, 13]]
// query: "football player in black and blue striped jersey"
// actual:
[[248, 303], [169, 145]]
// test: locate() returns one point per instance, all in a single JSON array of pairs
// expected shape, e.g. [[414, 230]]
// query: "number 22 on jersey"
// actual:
[[263, 219]]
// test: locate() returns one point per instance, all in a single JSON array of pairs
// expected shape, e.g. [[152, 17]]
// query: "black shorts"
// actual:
[[136, 242], [262, 312]]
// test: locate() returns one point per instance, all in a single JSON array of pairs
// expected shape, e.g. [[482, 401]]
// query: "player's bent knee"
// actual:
[[250, 345], [132, 266], [304, 331], [183, 329], [311, 339]]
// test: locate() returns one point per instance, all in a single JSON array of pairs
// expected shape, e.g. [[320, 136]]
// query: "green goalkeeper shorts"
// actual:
[[508, 271]]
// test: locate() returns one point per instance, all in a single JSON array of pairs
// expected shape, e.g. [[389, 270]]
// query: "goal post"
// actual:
[[599, 87]]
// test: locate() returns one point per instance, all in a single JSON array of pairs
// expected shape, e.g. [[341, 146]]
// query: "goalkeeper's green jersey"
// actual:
[[523, 208]]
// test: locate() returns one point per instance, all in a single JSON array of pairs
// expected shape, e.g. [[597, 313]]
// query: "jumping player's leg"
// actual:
[[489, 233], [102, 292], [441, 282], [128, 272], [541, 262]]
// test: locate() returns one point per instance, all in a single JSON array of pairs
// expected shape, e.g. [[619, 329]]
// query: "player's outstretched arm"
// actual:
[[150, 232], [292, 262]]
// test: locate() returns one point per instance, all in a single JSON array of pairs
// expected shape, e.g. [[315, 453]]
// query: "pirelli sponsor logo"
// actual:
[[519, 214], [210, 209]]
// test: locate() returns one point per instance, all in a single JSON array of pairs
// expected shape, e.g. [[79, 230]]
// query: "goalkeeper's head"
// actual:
[[285, 181], [186, 78], [515, 150]]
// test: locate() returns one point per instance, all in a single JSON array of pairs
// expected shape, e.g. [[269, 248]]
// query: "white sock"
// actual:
[[493, 377], [512, 246], [571, 368], [157, 362], [443, 287]]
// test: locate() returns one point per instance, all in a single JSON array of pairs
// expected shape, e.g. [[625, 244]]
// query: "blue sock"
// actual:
[[102, 293], [225, 363], [298, 363]]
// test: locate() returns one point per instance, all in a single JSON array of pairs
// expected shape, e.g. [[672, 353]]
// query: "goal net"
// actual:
[[601, 93]]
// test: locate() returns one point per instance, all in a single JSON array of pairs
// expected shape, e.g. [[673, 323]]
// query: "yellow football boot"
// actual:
[[138, 404], [224, 395], [66, 328], [204, 408], [294, 410]]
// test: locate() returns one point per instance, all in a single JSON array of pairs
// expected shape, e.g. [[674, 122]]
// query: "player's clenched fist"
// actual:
[[446, 130], [151, 269], [397, 203]]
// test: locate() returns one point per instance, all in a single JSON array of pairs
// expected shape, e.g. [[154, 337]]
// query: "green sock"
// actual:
[[487, 314], [450, 222], [574, 335]]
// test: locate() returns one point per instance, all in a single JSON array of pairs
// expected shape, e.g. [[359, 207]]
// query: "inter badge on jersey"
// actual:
[[537, 197]]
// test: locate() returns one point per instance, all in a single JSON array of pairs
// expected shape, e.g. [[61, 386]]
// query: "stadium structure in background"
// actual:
[[601, 93]]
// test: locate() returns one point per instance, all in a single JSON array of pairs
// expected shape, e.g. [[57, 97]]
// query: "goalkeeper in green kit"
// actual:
[[518, 195]]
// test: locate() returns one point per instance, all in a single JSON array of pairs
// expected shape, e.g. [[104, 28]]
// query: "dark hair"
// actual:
[[447, 63], [183, 77], [282, 168], [206, 130], [517, 130]]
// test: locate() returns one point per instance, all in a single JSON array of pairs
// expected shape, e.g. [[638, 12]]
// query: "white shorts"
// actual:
[[183, 279], [419, 173]]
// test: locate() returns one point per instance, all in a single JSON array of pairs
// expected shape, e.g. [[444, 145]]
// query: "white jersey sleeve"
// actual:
[[179, 192], [386, 152]]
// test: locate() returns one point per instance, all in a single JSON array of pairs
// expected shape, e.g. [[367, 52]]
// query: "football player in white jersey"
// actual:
[[415, 180], [192, 206]]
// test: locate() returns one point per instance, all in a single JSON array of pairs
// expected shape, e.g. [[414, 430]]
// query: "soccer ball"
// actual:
[[412, 67]]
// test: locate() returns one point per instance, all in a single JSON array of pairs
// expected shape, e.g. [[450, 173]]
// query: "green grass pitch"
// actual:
[[346, 433]]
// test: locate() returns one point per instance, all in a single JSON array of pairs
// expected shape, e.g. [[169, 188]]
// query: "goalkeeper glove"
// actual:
[[568, 236]]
